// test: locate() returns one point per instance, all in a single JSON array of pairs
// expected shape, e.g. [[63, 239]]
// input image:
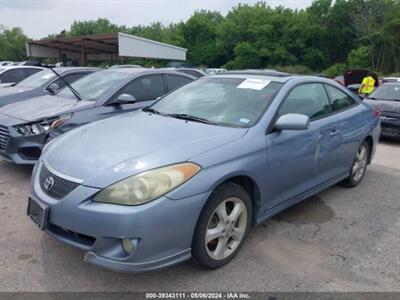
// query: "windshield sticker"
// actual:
[[254, 84], [244, 120]]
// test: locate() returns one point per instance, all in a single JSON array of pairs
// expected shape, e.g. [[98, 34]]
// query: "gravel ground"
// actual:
[[339, 240]]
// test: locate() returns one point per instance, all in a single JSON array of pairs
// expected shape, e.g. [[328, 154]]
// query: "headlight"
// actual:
[[147, 186], [41, 127]]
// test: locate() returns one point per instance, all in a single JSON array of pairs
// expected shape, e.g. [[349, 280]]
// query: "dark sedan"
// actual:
[[387, 99], [26, 126], [45, 82]]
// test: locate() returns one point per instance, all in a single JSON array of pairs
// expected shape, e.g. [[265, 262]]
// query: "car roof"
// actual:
[[260, 72], [135, 71], [391, 83], [62, 70], [257, 74], [8, 67]]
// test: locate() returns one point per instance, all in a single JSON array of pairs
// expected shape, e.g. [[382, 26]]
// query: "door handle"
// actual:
[[334, 132]]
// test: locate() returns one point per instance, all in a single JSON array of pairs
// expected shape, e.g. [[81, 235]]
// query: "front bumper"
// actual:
[[22, 149], [162, 229]]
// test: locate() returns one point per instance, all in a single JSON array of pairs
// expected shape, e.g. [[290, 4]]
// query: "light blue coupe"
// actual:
[[190, 175]]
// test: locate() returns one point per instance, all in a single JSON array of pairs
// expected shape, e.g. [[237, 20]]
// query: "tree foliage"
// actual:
[[12, 44], [337, 33]]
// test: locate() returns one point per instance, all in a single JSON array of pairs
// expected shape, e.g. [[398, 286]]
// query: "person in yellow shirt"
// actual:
[[367, 85]]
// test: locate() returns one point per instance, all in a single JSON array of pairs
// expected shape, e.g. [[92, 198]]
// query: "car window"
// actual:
[[339, 99], [175, 81], [236, 102], [386, 92], [37, 79], [16, 75], [70, 78], [96, 85], [308, 99], [148, 87]]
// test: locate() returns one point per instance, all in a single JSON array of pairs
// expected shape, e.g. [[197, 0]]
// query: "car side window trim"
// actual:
[[276, 114], [178, 75], [275, 118], [114, 96], [356, 102]]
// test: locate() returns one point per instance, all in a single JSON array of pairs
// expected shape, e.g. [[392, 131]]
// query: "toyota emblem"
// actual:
[[49, 183]]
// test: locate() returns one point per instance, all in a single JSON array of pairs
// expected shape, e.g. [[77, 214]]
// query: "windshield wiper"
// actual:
[[191, 118], [75, 92], [151, 110]]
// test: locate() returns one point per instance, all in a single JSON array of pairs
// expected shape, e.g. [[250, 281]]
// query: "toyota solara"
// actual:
[[188, 176]]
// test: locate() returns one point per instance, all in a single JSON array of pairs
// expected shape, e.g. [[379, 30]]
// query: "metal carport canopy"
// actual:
[[103, 47]]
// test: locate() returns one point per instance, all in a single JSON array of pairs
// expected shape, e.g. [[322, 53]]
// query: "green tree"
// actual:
[[12, 44], [199, 34], [360, 58], [98, 26], [335, 70]]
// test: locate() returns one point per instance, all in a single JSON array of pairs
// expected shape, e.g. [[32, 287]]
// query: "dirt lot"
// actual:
[[340, 240]]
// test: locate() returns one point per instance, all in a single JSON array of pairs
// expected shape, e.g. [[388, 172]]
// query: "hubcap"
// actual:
[[360, 163], [226, 228]]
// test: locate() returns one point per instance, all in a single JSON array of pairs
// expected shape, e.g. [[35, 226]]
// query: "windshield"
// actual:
[[389, 92], [236, 102], [37, 79], [95, 85]]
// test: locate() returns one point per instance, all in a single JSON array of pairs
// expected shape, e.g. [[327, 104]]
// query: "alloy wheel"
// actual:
[[360, 163], [226, 228]]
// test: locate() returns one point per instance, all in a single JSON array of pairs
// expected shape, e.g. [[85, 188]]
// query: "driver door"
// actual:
[[299, 161]]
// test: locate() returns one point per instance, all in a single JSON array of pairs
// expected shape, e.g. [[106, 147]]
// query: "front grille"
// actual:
[[4, 137], [81, 239], [59, 187], [391, 115]]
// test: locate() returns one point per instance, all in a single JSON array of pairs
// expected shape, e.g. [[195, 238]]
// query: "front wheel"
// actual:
[[222, 227], [359, 166]]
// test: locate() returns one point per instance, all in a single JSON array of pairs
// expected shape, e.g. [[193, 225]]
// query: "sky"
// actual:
[[38, 18]]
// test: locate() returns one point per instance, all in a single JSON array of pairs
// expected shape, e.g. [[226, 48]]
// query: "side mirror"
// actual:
[[125, 98], [53, 88], [293, 122]]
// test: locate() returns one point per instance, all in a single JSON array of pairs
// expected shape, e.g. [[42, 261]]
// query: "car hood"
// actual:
[[43, 107], [9, 90], [110, 150], [384, 106]]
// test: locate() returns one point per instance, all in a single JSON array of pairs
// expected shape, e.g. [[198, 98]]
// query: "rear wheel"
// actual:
[[222, 227], [359, 166]]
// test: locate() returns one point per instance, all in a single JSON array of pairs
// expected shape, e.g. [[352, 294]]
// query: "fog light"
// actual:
[[128, 245]]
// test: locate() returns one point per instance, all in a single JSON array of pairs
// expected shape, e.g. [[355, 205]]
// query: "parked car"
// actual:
[[339, 79], [192, 71], [208, 161], [390, 79], [6, 63], [125, 66], [386, 98], [11, 75], [26, 126], [44, 82], [215, 71]]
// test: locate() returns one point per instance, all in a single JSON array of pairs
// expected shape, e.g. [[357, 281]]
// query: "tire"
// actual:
[[358, 167], [230, 232]]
